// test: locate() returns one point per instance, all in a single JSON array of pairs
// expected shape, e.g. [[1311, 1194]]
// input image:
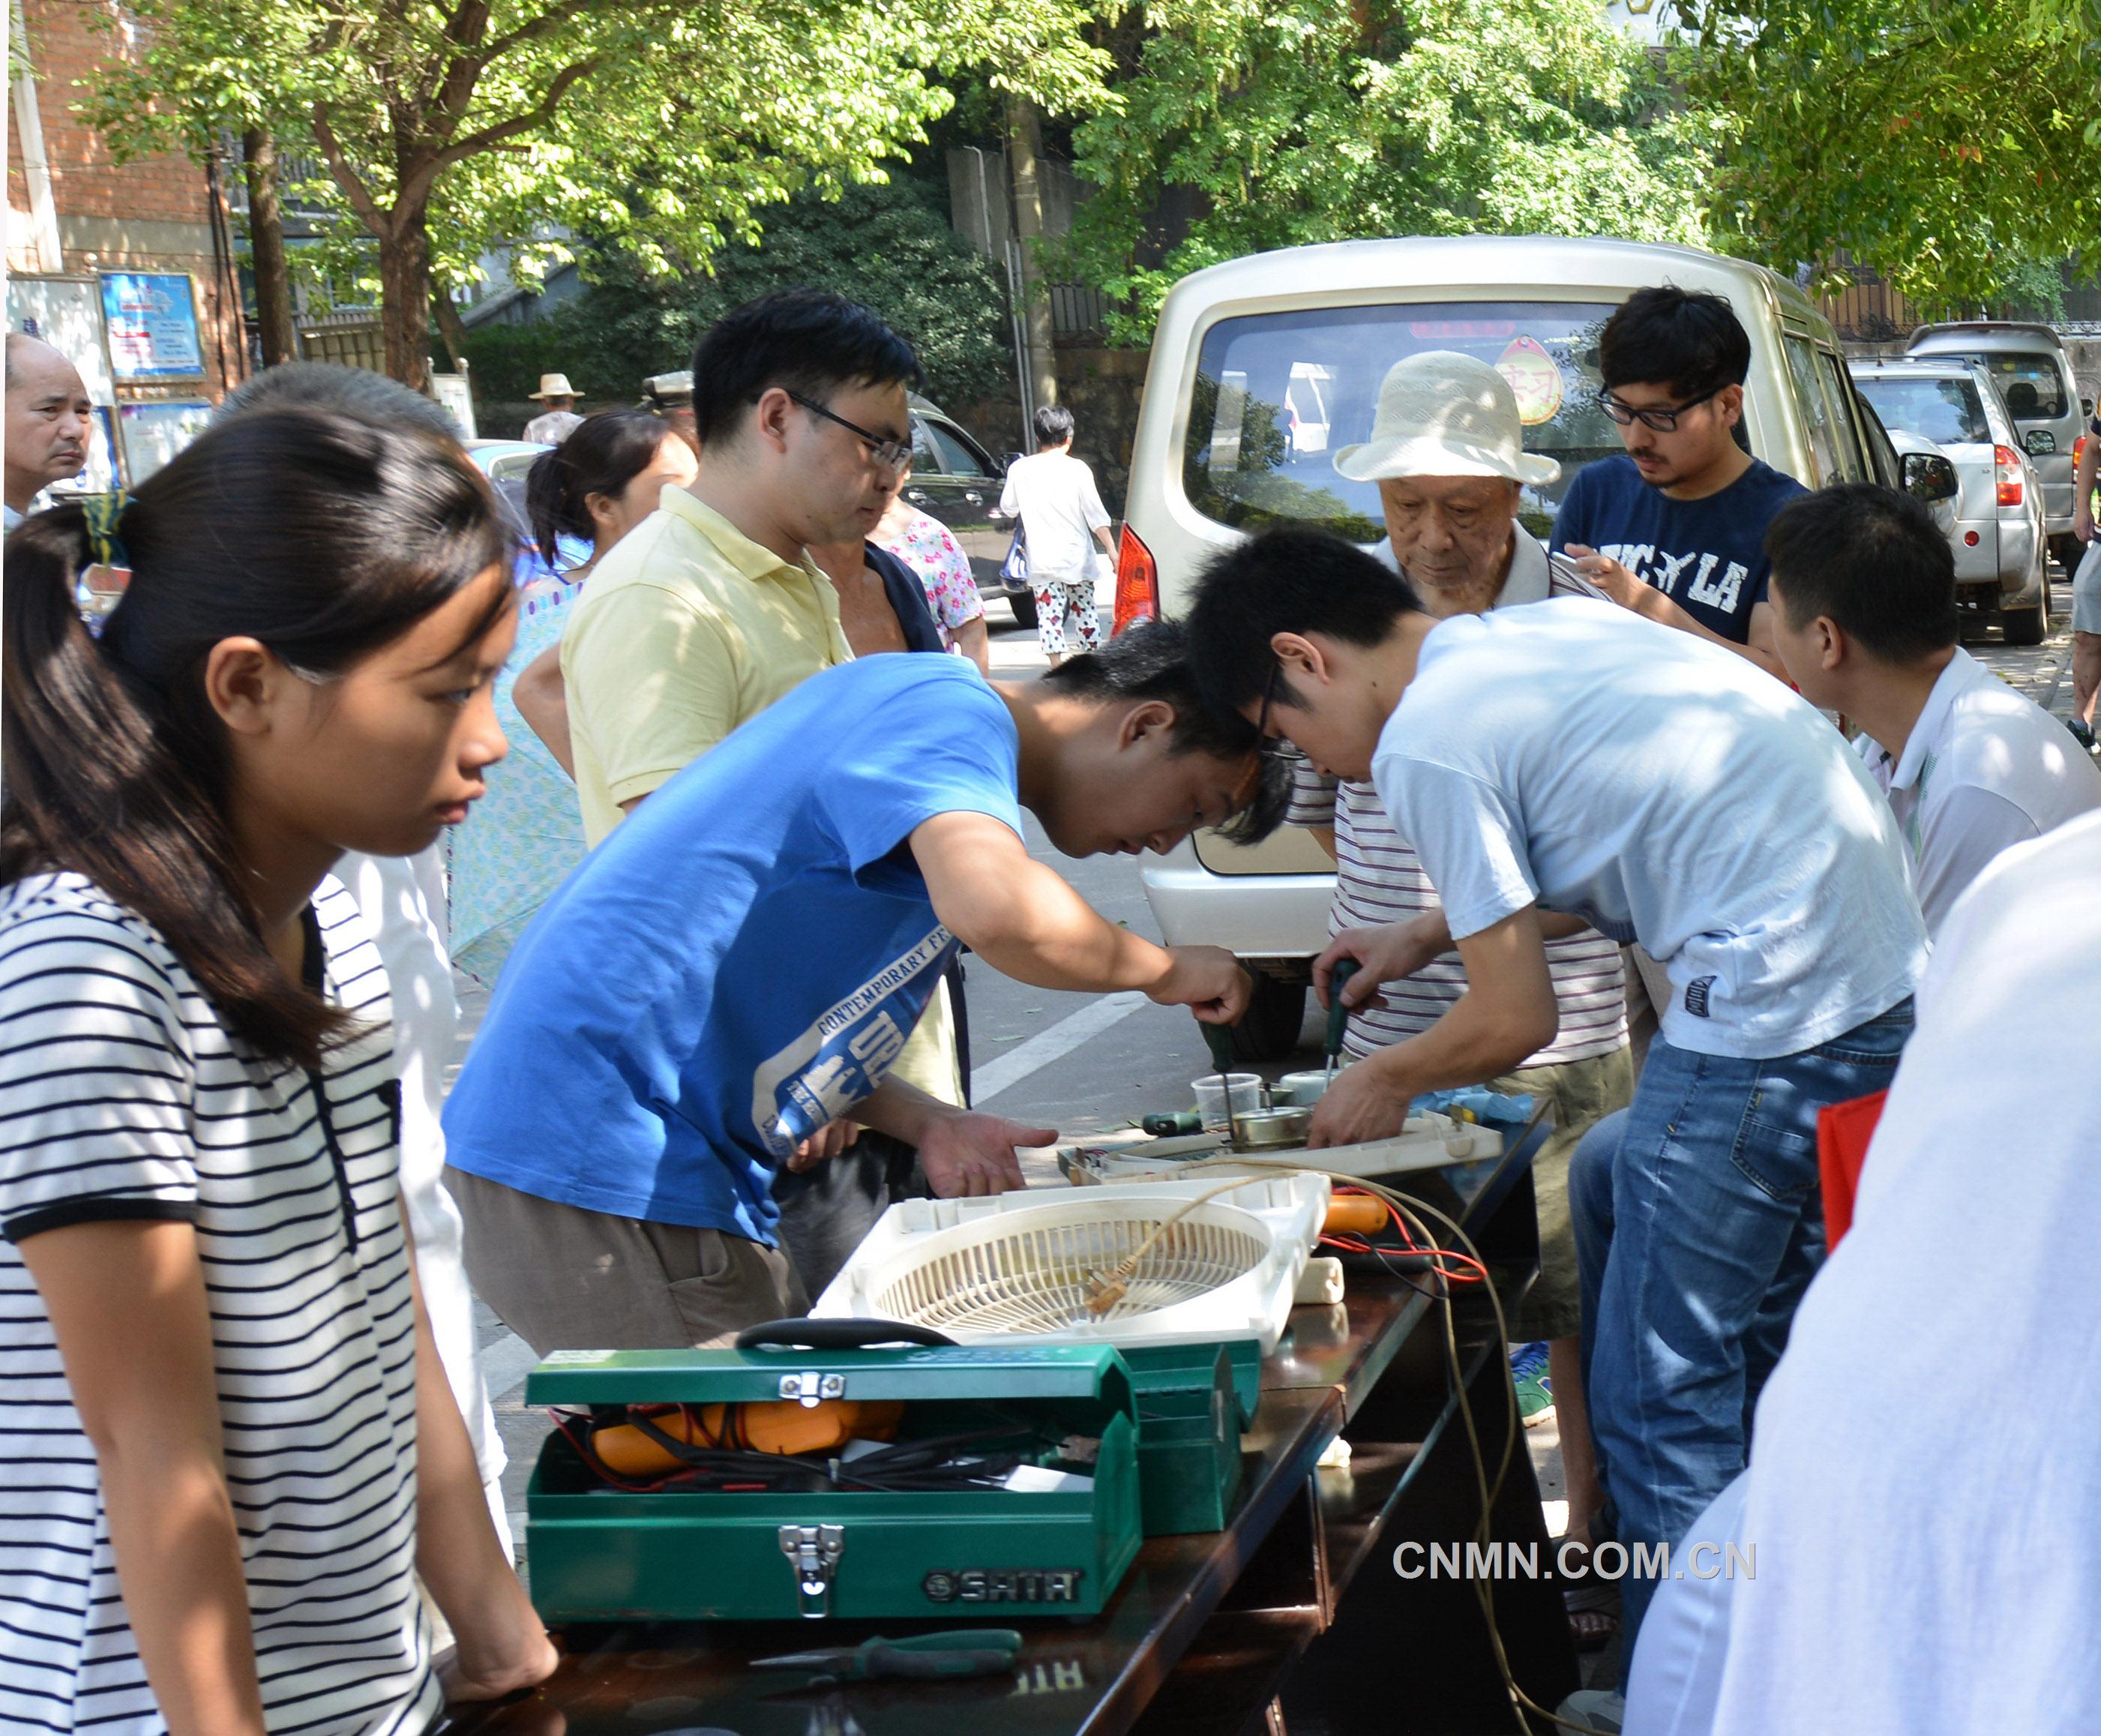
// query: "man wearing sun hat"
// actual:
[[559, 419], [1446, 451]]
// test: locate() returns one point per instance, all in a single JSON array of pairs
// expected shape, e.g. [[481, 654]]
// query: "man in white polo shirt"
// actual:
[[1864, 593], [1446, 453]]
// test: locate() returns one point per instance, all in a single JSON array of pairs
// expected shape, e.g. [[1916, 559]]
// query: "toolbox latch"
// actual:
[[813, 1551], [809, 1388]]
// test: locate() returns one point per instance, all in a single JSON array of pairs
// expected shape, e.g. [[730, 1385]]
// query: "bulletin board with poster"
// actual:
[[155, 432], [152, 320], [66, 313]]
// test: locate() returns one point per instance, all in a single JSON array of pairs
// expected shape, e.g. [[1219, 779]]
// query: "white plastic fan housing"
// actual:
[[1026, 1263]]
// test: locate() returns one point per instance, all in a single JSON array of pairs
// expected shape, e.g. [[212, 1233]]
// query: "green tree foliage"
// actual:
[[667, 127], [1298, 121], [889, 246], [1948, 143]]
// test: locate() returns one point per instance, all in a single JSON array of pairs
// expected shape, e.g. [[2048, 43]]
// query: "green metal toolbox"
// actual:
[[601, 1553], [1194, 1401]]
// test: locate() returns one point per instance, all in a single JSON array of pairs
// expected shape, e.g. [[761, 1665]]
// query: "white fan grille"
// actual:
[[1023, 1274]]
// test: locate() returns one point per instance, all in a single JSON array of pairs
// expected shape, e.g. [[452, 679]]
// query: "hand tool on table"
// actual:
[[1220, 1039], [1168, 1125], [925, 1657], [1338, 1015]]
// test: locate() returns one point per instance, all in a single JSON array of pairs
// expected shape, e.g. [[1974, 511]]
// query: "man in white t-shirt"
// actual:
[[1062, 521], [1572, 757], [1864, 618], [1917, 1518]]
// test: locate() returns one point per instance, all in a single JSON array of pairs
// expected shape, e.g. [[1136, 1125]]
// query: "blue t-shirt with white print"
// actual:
[[1707, 556], [741, 960]]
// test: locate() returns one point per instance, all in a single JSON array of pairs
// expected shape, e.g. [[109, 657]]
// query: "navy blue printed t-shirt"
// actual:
[[1708, 556], [741, 960]]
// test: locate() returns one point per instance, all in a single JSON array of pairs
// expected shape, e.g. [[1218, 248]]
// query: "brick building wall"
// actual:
[[151, 215]]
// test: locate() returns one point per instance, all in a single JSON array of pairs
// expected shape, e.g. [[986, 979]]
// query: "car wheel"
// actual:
[[2028, 626], [1022, 603], [1269, 1029]]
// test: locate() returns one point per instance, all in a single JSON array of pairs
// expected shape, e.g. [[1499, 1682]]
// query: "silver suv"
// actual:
[[2002, 565], [1262, 367], [2028, 365]]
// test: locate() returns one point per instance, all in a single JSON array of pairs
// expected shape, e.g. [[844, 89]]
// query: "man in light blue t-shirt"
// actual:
[[1568, 761], [740, 961]]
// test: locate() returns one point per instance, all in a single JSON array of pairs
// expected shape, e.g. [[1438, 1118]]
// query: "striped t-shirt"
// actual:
[[1379, 879], [123, 1097]]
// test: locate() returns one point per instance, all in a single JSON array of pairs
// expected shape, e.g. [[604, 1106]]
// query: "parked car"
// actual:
[[505, 462], [1262, 366], [2028, 365], [2001, 556], [953, 479]]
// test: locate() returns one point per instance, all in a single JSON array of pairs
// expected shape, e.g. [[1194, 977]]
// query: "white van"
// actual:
[[1262, 368]]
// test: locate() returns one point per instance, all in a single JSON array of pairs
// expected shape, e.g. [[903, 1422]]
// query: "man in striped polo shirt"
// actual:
[[1447, 454]]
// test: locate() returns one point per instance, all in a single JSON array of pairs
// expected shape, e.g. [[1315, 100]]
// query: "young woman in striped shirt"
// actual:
[[226, 1447]]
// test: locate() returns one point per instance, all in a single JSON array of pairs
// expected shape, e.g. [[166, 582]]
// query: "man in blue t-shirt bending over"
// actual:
[[740, 963], [1569, 762], [1675, 530]]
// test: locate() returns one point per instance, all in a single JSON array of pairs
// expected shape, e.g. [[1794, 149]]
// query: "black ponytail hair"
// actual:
[[325, 537], [601, 455]]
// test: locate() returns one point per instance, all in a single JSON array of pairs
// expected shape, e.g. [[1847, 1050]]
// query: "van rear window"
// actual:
[[1277, 394], [2031, 383]]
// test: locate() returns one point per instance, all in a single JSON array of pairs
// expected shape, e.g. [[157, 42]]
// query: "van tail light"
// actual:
[[1137, 582], [2008, 462]]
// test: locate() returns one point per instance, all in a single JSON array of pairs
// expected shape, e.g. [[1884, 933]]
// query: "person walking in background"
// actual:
[[2085, 586], [558, 420], [49, 418], [925, 545], [602, 481], [1062, 519], [228, 1451]]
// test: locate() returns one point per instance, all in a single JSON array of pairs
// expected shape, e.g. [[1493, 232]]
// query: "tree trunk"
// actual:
[[451, 327], [405, 296], [1024, 147], [266, 240]]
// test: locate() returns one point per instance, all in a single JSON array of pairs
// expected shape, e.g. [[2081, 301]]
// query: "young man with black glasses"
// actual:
[[1674, 529]]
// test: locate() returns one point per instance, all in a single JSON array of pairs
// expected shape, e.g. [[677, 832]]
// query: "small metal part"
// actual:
[[813, 1551], [1270, 1130], [808, 1389]]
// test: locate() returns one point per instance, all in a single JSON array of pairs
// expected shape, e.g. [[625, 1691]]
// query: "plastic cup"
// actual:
[[1246, 1089]]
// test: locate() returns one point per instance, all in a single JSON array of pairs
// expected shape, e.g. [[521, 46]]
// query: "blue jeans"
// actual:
[[1698, 1226]]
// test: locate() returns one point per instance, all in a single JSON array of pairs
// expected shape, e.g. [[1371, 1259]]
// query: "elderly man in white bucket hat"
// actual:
[[559, 419], [1446, 450]]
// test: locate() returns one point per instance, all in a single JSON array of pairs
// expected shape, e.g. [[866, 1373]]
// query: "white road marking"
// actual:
[[988, 1081], [505, 1363]]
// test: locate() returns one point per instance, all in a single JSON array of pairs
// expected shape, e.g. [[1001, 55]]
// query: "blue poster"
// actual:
[[151, 318]]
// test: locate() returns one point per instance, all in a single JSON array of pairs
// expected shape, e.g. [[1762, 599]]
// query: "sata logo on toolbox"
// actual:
[[1004, 1585]]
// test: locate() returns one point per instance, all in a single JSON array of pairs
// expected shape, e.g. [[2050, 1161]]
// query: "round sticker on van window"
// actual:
[[1534, 378]]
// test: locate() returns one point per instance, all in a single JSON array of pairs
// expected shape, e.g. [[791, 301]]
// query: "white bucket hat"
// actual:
[[554, 386], [1441, 414]]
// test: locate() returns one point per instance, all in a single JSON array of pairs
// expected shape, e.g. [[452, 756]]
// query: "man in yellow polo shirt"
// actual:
[[709, 611]]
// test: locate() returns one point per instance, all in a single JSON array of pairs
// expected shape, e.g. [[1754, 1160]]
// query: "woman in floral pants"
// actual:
[[1062, 519]]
